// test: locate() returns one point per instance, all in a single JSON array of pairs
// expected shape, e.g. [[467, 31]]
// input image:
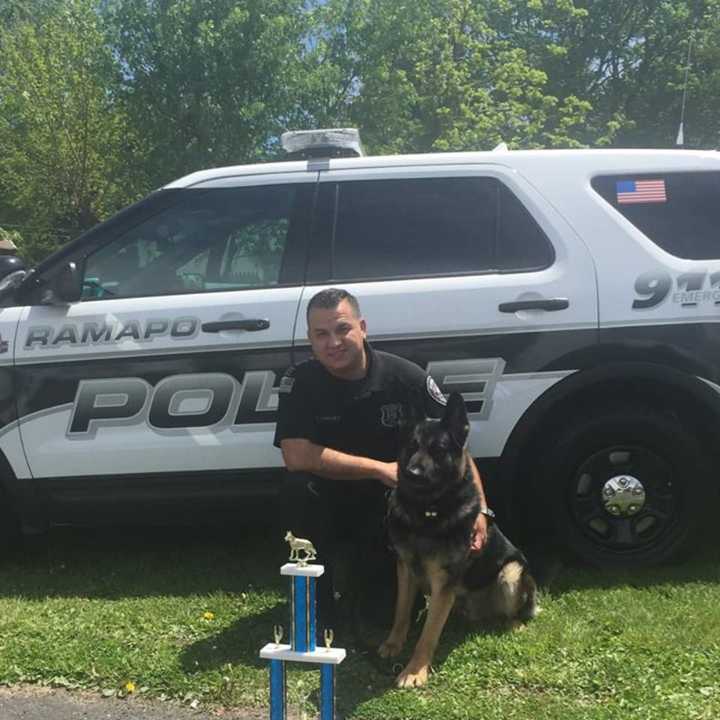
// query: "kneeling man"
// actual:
[[338, 429]]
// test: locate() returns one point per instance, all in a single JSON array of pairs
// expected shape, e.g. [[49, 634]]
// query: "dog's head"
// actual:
[[432, 454]]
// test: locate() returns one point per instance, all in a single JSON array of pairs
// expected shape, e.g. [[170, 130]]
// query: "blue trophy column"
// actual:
[[278, 692], [302, 601], [327, 692]]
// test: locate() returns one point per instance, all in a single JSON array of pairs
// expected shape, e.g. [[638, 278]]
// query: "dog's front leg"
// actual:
[[442, 599], [407, 588]]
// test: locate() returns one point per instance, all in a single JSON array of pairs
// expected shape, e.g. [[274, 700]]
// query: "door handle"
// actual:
[[549, 304], [251, 325]]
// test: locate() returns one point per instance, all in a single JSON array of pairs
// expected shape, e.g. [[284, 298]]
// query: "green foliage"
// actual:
[[438, 76], [12, 235], [104, 100], [628, 61], [210, 82], [66, 146], [704, 82]]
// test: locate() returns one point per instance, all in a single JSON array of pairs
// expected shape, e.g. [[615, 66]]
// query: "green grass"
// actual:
[[100, 609]]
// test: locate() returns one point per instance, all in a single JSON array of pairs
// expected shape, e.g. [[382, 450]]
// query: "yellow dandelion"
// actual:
[[207, 615], [129, 686]]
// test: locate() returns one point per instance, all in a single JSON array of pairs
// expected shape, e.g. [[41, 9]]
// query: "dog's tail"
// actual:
[[528, 589]]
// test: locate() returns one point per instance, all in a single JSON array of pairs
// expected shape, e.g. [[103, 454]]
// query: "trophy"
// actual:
[[302, 647]]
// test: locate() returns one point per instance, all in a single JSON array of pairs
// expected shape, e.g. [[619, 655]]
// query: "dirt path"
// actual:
[[35, 703]]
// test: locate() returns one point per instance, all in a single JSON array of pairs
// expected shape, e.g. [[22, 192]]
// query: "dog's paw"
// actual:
[[413, 676], [390, 648]]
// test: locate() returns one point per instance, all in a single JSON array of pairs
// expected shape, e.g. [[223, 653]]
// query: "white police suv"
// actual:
[[571, 296]]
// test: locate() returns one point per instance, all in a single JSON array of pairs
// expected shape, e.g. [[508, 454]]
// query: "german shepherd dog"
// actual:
[[431, 518]]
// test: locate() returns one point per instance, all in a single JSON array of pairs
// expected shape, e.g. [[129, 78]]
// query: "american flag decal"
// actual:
[[640, 191]]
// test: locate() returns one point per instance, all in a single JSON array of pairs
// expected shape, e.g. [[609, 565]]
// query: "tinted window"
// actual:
[[221, 239], [680, 212], [522, 245], [430, 226]]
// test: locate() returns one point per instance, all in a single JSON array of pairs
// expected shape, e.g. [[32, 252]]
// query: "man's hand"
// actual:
[[479, 533], [387, 473]]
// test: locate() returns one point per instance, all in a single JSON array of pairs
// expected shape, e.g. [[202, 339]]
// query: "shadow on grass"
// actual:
[[239, 643], [700, 564], [361, 677], [126, 562], [703, 567], [366, 675]]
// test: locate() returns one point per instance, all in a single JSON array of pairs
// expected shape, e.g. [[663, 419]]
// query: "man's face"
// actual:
[[337, 338]]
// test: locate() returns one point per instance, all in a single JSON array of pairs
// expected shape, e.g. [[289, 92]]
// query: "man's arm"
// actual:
[[303, 455], [480, 531]]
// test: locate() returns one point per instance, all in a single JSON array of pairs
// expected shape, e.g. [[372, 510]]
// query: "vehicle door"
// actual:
[[160, 383], [467, 271]]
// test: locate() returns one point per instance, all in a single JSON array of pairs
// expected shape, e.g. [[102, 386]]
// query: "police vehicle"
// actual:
[[571, 296]]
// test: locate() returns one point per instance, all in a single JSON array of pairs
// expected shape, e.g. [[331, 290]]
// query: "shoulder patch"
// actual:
[[434, 391]]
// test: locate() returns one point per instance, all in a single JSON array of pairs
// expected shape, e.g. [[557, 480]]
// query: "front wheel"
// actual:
[[626, 487]]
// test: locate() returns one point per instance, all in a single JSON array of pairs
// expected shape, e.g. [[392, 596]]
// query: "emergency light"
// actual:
[[327, 143]]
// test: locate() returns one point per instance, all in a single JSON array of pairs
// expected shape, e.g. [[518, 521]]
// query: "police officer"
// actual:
[[9, 260], [338, 429]]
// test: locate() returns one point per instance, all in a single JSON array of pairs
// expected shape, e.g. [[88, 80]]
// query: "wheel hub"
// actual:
[[623, 496]]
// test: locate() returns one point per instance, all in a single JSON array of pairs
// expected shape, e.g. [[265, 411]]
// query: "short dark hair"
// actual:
[[329, 299]]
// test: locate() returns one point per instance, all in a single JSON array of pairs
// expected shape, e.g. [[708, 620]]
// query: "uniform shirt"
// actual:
[[359, 417]]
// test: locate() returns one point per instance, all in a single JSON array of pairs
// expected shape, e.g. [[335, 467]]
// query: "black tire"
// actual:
[[632, 446]]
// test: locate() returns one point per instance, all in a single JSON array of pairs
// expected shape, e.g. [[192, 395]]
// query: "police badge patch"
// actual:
[[434, 391], [287, 382], [391, 415]]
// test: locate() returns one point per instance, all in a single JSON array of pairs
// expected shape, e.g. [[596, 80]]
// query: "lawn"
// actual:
[[182, 614]]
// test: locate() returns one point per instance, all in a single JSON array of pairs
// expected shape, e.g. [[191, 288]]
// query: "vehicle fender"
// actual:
[[637, 379]]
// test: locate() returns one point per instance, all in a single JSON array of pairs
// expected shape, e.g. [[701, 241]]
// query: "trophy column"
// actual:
[[302, 647], [302, 603], [278, 690], [327, 692]]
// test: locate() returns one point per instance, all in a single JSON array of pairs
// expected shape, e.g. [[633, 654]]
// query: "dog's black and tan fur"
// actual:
[[431, 516]]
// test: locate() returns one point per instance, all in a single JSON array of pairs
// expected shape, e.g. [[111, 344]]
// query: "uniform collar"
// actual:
[[373, 381]]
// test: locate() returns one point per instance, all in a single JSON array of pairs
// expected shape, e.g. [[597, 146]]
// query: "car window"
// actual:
[[679, 212], [220, 239], [522, 245], [428, 226]]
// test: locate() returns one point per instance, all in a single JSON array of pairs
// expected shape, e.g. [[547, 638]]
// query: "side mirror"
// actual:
[[10, 264], [67, 284]]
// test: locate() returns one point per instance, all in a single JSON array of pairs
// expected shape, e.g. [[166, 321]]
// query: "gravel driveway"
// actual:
[[33, 703]]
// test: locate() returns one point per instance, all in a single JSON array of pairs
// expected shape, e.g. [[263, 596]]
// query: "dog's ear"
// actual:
[[456, 419]]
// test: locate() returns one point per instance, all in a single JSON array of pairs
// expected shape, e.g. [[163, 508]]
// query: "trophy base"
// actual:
[[322, 656], [302, 570]]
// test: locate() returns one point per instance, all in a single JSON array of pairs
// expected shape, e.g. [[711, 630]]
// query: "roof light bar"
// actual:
[[328, 143]]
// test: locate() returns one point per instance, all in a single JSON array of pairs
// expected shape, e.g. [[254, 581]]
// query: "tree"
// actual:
[[703, 103], [66, 147], [626, 59], [209, 82], [436, 75]]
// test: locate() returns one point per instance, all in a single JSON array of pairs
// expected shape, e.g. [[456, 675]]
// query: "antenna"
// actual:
[[680, 140]]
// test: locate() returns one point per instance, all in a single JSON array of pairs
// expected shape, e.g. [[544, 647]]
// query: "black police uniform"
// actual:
[[361, 418]]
